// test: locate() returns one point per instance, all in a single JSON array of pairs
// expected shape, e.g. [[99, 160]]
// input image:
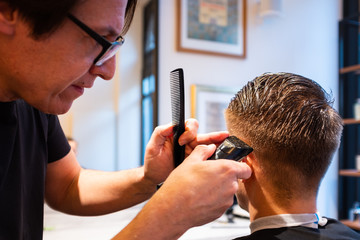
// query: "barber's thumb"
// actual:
[[201, 152], [244, 170]]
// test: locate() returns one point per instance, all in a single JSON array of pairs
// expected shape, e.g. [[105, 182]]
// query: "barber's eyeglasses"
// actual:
[[109, 48]]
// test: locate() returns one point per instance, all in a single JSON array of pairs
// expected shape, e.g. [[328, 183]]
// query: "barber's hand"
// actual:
[[195, 193], [159, 151], [199, 191]]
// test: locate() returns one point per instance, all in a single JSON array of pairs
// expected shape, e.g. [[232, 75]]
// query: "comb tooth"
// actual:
[[176, 86]]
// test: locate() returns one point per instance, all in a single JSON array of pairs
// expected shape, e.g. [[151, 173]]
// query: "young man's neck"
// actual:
[[269, 207]]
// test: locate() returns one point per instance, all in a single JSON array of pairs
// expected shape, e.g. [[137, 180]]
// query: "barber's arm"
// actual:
[[74, 190], [77, 191]]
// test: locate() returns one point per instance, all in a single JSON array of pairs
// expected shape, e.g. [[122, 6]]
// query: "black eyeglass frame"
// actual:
[[106, 45]]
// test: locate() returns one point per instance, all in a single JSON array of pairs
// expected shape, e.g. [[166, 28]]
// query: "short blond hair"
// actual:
[[291, 124]]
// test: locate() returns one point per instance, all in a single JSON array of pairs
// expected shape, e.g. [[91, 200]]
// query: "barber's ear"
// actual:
[[8, 18]]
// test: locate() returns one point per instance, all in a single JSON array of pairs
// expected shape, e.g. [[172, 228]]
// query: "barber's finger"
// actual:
[[209, 138], [201, 153], [244, 171], [160, 134], [213, 137], [191, 128], [240, 169]]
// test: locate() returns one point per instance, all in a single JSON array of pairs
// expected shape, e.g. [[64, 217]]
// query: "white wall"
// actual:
[[303, 40]]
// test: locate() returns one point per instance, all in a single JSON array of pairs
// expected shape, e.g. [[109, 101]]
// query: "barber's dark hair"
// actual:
[[290, 122], [45, 16], [129, 14]]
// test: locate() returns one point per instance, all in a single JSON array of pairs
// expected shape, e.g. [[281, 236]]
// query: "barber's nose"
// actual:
[[106, 71]]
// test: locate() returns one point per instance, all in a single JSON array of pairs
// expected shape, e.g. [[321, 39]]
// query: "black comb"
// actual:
[[177, 109]]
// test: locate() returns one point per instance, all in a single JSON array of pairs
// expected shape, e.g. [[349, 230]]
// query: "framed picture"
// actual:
[[212, 27], [208, 104]]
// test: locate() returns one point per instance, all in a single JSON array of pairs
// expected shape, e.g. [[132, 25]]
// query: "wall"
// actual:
[[303, 40]]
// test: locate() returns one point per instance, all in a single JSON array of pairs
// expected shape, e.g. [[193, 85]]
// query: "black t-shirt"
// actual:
[[333, 230], [29, 140]]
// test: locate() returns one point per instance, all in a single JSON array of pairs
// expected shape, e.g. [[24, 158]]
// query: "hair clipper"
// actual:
[[232, 148]]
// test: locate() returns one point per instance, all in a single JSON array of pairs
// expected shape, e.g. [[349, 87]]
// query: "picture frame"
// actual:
[[208, 104], [212, 27]]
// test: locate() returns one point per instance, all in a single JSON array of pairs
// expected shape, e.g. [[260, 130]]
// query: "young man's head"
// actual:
[[293, 129], [50, 49]]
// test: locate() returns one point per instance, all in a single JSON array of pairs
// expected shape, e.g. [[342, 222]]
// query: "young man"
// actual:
[[294, 131], [50, 51]]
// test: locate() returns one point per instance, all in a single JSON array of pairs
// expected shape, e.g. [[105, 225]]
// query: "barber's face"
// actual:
[[51, 73]]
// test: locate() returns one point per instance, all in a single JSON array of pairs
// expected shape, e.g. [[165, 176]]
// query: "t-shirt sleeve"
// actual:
[[58, 145]]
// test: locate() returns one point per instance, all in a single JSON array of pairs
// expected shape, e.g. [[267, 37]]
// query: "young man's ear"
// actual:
[[249, 160], [8, 18]]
